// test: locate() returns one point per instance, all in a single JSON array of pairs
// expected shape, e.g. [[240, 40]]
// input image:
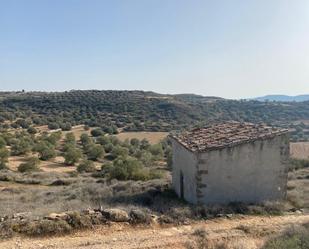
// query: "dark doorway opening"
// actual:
[[181, 185]]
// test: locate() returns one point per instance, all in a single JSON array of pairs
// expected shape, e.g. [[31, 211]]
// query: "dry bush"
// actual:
[[6, 230], [295, 237], [45, 227], [294, 198], [78, 221], [201, 241]]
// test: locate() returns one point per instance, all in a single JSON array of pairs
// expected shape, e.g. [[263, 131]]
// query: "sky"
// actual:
[[227, 48]]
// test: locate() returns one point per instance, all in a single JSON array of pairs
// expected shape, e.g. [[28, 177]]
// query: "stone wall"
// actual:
[[186, 162], [252, 172]]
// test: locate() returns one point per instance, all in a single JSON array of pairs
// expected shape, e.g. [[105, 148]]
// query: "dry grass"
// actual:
[[76, 130], [295, 237], [54, 165], [152, 137], [298, 188], [45, 192], [300, 150]]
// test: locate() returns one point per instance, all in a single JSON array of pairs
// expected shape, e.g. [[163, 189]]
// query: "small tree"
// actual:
[[156, 150], [135, 142], [2, 142], [97, 132], [146, 158], [46, 151], [53, 126], [85, 139], [23, 123], [20, 147], [32, 130], [145, 144], [94, 152], [119, 151], [86, 166], [4, 155], [54, 137], [66, 126], [126, 168], [72, 155], [103, 140], [32, 164], [70, 138], [108, 147]]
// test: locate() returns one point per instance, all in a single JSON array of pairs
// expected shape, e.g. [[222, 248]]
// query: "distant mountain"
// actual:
[[284, 98]]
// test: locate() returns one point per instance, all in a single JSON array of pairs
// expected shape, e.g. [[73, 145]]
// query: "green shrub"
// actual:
[[32, 130], [45, 150], [103, 140], [135, 142], [72, 156], [70, 138], [21, 147], [54, 138], [94, 152], [298, 164], [53, 126], [32, 164], [128, 168], [293, 238], [108, 147], [4, 155], [3, 166], [146, 158], [97, 132], [2, 142], [119, 151], [46, 227], [85, 139], [86, 166], [156, 150], [66, 126]]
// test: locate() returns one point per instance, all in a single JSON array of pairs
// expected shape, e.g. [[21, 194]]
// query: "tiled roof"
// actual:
[[225, 135]]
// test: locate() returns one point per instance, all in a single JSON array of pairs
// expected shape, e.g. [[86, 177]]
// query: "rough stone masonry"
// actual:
[[231, 162]]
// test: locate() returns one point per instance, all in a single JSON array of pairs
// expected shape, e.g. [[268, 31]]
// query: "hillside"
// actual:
[[142, 111], [284, 98]]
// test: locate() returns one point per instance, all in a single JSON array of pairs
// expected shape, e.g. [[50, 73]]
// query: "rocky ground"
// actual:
[[248, 232]]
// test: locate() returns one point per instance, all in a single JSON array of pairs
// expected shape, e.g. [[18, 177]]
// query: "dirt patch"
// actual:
[[54, 165], [124, 236], [300, 150], [76, 130], [15, 161], [152, 137]]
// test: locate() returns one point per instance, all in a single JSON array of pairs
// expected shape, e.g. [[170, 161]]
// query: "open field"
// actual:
[[300, 150], [58, 188], [152, 137], [76, 130]]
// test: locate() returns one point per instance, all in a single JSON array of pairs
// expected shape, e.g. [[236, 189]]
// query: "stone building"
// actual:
[[231, 162]]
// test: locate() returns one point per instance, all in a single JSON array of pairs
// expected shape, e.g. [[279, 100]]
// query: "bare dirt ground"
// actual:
[[152, 137], [54, 165], [77, 130], [300, 150], [258, 229]]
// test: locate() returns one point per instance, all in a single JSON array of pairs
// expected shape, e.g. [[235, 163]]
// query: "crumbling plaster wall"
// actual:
[[186, 162], [252, 172]]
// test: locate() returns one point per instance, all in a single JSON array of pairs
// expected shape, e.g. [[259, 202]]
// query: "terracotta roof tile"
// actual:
[[225, 135]]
